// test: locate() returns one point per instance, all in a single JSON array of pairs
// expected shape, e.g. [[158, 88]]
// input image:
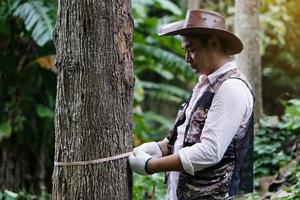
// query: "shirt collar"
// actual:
[[223, 69]]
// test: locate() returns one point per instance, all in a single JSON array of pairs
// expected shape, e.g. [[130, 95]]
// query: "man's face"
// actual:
[[199, 57]]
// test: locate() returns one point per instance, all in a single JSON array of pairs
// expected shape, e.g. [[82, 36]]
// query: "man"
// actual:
[[208, 153]]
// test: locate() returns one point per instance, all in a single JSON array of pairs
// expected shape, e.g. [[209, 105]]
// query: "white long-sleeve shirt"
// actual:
[[228, 115]]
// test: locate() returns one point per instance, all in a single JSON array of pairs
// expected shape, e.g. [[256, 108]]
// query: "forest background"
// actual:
[[162, 82]]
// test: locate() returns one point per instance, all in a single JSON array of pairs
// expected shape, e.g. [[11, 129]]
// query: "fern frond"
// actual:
[[165, 92], [169, 60], [37, 20], [163, 122], [170, 6], [161, 96], [6, 9]]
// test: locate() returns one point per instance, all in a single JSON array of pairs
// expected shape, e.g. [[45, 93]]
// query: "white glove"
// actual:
[[151, 148], [138, 161]]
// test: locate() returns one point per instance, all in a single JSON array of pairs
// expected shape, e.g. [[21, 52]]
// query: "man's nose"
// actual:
[[187, 58]]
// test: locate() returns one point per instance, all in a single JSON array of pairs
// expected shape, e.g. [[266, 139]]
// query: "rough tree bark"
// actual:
[[247, 28], [93, 117]]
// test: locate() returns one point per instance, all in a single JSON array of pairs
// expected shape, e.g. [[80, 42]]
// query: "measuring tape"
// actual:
[[89, 162]]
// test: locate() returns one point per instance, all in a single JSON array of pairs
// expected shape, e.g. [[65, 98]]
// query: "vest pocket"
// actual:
[[206, 184], [197, 120]]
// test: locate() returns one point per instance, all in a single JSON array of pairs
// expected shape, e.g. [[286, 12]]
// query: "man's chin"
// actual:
[[194, 70], [197, 72]]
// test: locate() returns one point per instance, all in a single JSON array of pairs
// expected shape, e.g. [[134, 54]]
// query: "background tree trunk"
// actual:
[[193, 4], [13, 165], [189, 4], [247, 28], [93, 117]]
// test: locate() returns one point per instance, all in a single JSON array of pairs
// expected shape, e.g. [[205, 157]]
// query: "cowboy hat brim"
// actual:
[[233, 44]]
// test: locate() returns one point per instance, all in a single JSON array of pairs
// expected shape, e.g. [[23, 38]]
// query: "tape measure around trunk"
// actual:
[[89, 162]]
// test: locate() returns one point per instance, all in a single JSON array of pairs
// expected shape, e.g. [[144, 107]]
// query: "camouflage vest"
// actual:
[[233, 175]]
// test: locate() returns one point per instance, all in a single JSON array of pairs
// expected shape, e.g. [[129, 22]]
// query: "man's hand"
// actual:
[[151, 148], [138, 162]]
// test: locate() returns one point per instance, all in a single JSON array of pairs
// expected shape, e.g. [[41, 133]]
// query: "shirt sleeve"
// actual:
[[231, 108]]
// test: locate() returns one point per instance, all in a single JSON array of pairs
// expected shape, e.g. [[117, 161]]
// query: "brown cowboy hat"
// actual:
[[204, 22]]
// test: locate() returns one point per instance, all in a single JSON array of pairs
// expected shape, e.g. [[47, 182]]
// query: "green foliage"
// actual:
[[25, 87], [139, 92], [149, 126], [268, 153], [5, 130], [290, 193], [279, 21], [141, 7], [37, 19], [167, 64], [165, 92], [6, 10], [8, 195], [273, 19], [149, 187], [291, 119], [44, 112], [294, 190], [23, 195], [274, 142]]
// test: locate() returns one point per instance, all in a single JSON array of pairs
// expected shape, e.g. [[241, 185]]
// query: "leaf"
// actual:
[[170, 6], [167, 89], [139, 92], [5, 130], [47, 62], [37, 20], [169, 60], [158, 118], [164, 73], [11, 195], [44, 112]]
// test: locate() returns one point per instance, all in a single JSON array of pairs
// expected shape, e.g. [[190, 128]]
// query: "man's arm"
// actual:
[[164, 147], [167, 163]]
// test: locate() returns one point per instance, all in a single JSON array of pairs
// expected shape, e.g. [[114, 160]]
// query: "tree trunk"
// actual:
[[193, 4], [93, 120], [190, 4], [249, 61], [13, 165]]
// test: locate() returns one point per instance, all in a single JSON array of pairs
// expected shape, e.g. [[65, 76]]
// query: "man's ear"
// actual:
[[214, 43]]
